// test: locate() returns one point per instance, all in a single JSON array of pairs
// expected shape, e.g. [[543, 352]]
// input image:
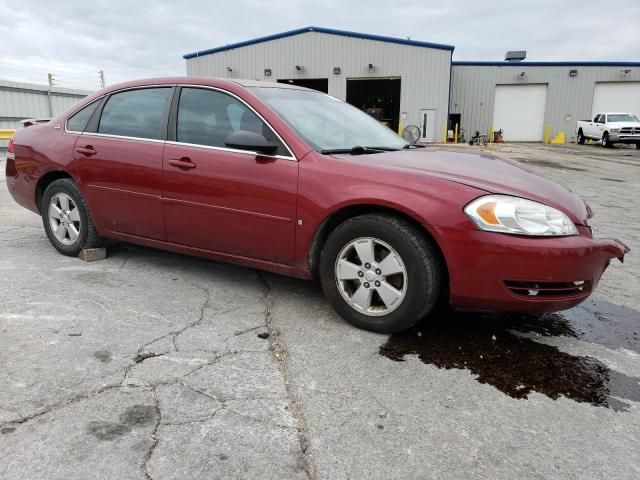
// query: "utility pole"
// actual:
[[50, 82], [101, 75]]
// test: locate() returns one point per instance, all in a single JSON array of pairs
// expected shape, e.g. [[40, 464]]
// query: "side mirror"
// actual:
[[245, 140]]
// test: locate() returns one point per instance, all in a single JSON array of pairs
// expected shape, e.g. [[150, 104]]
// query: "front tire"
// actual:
[[606, 143], [581, 138], [380, 273], [66, 218]]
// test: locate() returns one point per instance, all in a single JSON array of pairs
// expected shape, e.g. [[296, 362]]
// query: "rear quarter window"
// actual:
[[78, 121]]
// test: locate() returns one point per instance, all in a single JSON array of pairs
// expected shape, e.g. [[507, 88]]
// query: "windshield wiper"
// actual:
[[359, 150], [412, 145]]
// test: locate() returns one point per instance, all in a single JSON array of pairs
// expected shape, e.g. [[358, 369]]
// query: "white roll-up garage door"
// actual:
[[617, 97], [519, 111]]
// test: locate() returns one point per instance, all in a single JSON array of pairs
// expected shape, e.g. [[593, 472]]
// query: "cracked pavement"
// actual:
[[155, 365]]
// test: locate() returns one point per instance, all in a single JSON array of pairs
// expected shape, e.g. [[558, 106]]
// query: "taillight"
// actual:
[[10, 150], [10, 169]]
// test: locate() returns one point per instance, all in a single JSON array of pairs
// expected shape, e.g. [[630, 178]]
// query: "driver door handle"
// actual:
[[183, 162]]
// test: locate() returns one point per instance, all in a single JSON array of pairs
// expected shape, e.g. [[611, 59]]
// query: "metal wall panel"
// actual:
[[424, 71], [24, 100], [568, 99]]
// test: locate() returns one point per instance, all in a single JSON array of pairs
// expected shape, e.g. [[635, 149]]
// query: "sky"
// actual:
[[74, 39]]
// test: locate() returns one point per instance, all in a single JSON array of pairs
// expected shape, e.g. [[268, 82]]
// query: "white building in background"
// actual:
[[534, 100], [403, 81], [395, 80]]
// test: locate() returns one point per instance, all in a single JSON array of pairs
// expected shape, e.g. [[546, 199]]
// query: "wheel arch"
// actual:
[[45, 181], [344, 213]]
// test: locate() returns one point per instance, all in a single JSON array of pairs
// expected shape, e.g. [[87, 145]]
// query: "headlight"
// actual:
[[505, 214], [614, 130]]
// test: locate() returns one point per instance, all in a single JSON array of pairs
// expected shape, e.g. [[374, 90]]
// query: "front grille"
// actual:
[[630, 131], [534, 290]]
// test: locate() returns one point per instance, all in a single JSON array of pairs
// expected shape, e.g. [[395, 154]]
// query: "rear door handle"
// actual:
[[184, 163], [88, 150]]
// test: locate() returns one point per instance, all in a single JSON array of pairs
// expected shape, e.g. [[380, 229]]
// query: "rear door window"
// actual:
[[135, 113], [207, 117], [78, 121]]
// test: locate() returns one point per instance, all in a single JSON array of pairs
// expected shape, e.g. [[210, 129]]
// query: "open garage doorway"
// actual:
[[379, 97], [320, 84]]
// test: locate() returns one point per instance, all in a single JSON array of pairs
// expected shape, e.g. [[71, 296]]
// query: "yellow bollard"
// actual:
[[491, 134], [455, 134], [445, 134], [547, 133], [400, 128]]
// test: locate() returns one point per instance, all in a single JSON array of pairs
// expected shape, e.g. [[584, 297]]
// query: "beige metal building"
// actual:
[[398, 81], [402, 82], [534, 101]]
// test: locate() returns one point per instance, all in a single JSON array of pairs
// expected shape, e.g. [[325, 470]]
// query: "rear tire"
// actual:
[[581, 138], [66, 218], [356, 271]]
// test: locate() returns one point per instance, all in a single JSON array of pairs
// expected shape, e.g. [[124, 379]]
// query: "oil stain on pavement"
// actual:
[[133, 417], [489, 347]]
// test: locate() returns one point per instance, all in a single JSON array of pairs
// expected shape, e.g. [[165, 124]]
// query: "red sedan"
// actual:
[[294, 181]]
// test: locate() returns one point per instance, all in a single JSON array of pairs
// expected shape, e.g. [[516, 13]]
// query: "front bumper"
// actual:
[[500, 272], [625, 137]]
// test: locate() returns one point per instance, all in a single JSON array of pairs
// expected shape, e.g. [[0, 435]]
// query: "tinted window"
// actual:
[[207, 117], [78, 121], [135, 113]]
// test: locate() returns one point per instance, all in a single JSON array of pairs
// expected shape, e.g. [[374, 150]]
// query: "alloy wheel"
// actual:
[[371, 276], [64, 218]]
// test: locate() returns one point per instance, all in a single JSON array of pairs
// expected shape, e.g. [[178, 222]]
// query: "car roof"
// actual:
[[205, 81], [263, 83]]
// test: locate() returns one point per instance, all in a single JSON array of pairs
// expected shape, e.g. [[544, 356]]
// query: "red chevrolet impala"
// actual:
[[294, 181]]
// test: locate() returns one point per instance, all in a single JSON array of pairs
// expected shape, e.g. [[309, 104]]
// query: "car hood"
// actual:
[[486, 172]]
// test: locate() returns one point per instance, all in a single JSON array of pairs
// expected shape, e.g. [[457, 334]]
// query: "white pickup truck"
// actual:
[[610, 128]]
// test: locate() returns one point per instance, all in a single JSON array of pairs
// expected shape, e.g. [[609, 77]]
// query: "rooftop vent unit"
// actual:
[[515, 56]]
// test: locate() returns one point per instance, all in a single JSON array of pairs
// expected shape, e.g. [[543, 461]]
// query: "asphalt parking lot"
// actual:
[[156, 365]]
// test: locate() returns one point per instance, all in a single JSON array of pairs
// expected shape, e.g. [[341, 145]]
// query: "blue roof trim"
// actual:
[[330, 31], [547, 64]]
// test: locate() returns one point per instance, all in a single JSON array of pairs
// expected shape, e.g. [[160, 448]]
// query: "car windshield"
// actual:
[[621, 117], [328, 124]]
